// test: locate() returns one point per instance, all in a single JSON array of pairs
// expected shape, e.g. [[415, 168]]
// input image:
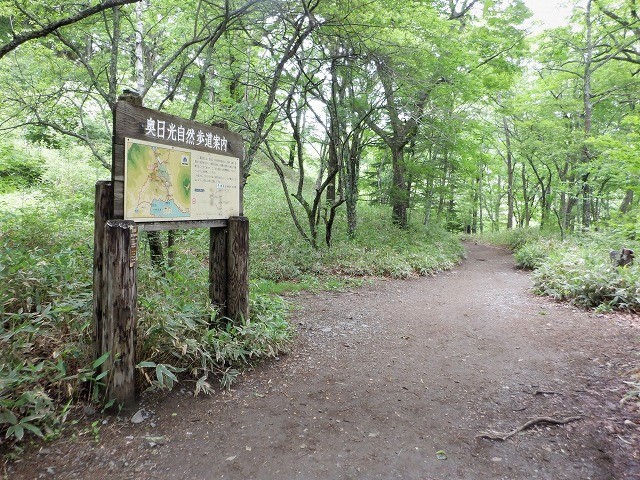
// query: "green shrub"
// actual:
[[46, 250], [46, 360], [18, 169], [534, 253], [578, 269], [279, 254], [179, 331], [513, 239], [625, 225], [583, 274], [45, 363], [45, 315], [378, 249], [45, 256]]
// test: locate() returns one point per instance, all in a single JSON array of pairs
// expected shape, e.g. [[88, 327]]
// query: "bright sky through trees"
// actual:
[[548, 13]]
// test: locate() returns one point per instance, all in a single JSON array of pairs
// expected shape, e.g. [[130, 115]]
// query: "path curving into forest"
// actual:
[[398, 380]]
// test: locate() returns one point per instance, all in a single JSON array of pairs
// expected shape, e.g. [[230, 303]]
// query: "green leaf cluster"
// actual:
[[18, 169]]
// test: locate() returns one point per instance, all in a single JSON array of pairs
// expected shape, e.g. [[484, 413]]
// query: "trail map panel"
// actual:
[[168, 183]]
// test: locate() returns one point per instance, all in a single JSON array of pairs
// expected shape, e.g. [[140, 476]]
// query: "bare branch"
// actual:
[[496, 55], [464, 9]]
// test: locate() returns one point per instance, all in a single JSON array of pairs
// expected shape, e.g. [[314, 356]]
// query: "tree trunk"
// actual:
[[525, 196], [480, 200], [352, 166], [496, 207], [443, 184], [476, 203], [625, 206], [588, 115], [139, 49], [113, 63], [545, 205], [428, 201], [171, 253], [399, 201], [568, 223], [334, 135], [510, 168], [156, 251], [202, 82]]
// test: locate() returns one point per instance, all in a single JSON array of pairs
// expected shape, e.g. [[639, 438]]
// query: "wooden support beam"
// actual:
[[103, 213], [218, 269], [238, 268], [122, 244]]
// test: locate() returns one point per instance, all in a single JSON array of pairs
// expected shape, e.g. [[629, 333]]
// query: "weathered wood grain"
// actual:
[[103, 213], [238, 268], [121, 240], [130, 122], [218, 269], [179, 225]]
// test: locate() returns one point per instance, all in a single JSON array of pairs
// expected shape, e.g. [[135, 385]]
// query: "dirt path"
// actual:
[[387, 380]]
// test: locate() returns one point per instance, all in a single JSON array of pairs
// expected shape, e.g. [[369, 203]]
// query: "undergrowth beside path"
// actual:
[[46, 367], [578, 269]]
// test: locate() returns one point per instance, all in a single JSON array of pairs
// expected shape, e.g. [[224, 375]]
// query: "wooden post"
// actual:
[[122, 244], [103, 212], [117, 167], [218, 269], [238, 268]]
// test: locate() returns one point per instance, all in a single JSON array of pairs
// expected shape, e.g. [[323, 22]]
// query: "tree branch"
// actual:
[[53, 26], [495, 55]]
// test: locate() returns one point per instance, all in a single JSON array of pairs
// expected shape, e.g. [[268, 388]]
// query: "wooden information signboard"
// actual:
[[170, 172], [167, 173]]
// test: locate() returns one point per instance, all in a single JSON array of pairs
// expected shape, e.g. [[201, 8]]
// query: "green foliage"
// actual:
[[513, 239], [281, 260], [578, 269], [583, 274], [378, 249], [39, 135], [44, 365], [18, 169], [533, 253], [625, 226], [45, 257], [45, 345], [179, 331], [439, 85], [45, 286], [45, 282]]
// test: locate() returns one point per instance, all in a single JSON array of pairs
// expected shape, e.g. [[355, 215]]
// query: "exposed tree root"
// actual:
[[529, 424], [546, 392]]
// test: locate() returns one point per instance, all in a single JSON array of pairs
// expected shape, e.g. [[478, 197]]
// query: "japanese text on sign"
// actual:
[[162, 130]]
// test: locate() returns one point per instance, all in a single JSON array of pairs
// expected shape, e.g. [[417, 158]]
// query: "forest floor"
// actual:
[[397, 379]]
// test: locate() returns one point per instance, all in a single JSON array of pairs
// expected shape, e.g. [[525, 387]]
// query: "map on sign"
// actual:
[[165, 183]]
